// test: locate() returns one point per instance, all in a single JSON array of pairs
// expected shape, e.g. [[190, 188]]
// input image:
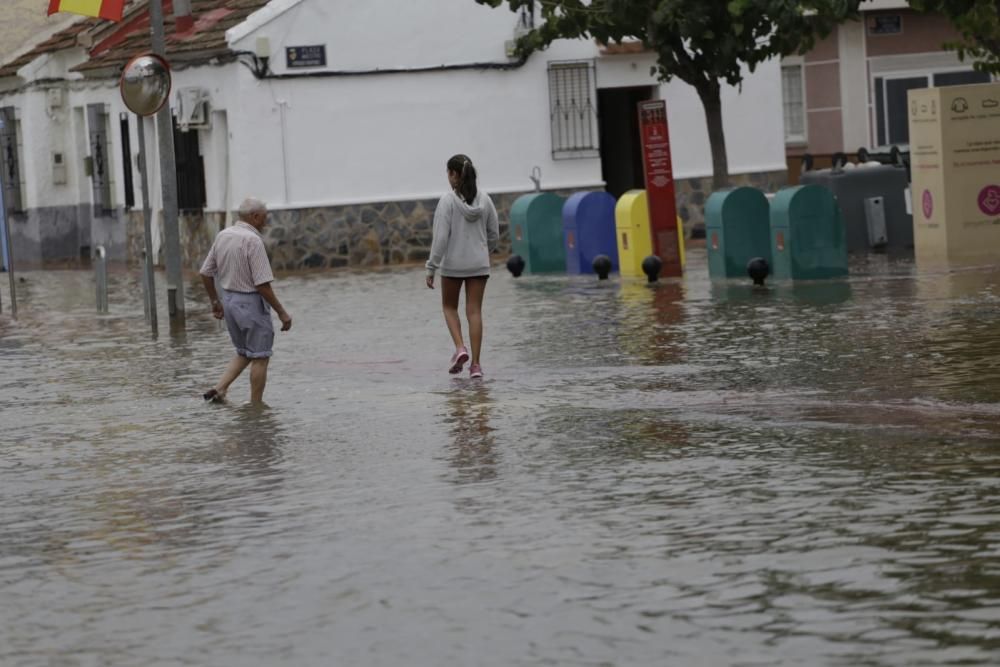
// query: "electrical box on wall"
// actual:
[[59, 176]]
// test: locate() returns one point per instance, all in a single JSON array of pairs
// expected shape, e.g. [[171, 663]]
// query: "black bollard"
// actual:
[[652, 266], [758, 269], [515, 265], [602, 266]]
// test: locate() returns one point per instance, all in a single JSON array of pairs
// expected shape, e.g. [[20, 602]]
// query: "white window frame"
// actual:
[[796, 139], [892, 75]]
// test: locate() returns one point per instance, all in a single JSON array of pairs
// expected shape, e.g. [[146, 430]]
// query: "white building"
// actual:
[[346, 131]]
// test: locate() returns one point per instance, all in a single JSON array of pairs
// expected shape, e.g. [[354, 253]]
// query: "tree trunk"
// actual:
[[711, 99]]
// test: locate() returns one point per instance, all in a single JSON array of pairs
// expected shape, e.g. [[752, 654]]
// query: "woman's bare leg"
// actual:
[[451, 289], [475, 290]]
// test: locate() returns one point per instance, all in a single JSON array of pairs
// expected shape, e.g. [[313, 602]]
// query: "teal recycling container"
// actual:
[[808, 240], [737, 229], [537, 232]]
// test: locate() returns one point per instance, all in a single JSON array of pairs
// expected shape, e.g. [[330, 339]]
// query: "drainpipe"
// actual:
[[282, 106]]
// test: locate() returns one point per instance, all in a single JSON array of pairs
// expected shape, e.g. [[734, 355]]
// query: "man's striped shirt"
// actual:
[[238, 260]]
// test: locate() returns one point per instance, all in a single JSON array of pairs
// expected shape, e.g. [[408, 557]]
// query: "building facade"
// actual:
[[341, 116], [850, 91]]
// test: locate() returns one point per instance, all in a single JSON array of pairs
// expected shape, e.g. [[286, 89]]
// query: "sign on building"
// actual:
[[299, 57]]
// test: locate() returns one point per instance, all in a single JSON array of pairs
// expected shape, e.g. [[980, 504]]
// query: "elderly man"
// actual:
[[238, 263]]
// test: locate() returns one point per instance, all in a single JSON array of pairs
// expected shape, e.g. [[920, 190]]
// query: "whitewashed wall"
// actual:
[[333, 141], [358, 139]]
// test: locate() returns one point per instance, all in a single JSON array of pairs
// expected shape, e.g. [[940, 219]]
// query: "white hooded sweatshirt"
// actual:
[[464, 236]]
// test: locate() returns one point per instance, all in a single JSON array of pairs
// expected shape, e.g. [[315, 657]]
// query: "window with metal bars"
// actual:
[[793, 90], [100, 159], [10, 161], [573, 112]]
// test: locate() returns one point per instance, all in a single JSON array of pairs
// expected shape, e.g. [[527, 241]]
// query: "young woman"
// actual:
[[466, 232]]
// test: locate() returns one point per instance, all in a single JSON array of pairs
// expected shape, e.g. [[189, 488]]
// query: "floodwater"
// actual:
[[681, 475]]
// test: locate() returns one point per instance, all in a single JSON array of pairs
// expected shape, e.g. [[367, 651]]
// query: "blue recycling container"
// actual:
[[589, 231]]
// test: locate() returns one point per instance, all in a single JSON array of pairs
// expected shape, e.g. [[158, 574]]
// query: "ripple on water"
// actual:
[[684, 474]]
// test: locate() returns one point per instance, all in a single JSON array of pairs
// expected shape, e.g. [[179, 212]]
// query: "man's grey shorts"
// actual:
[[248, 318]]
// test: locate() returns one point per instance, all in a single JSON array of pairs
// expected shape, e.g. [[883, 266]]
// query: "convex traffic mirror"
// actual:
[[145, 84]]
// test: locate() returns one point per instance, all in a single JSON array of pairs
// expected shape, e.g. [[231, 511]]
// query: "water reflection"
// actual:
[[651, 316], [210, 479], [959, 314], [472, 450], [252, 441], [727, 291]]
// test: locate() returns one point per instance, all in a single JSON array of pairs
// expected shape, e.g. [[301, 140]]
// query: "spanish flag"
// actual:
[[105, 9]]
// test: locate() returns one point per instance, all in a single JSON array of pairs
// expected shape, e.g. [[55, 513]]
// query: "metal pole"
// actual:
[[168, 180], [4, 256], [147, 215], [101, 278], [5, 223], [145, 286]]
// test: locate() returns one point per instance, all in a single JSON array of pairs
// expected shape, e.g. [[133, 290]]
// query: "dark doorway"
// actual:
[[621, 151]]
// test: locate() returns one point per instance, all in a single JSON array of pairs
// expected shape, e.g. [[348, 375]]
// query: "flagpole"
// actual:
[[168, 181]]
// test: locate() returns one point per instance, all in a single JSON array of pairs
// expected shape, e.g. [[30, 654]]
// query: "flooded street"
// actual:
[[689, 474]]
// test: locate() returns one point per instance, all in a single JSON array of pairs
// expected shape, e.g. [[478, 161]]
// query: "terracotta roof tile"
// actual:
[[205, 40], [116, 44]]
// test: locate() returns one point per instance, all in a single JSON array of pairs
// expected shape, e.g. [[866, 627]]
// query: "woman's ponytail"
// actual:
[[467, 188]]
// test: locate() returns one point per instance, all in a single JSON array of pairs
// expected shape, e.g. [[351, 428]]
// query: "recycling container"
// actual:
[[589, 231], [808, 240], [537, 232], [737, 229], [635, 234], [635, 240], [853, 189]]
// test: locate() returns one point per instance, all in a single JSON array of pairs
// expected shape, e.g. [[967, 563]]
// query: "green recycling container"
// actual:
[[536, 231], [737, 229], [808, 239]]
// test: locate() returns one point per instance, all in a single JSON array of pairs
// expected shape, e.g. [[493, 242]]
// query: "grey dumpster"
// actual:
[[873, 203]]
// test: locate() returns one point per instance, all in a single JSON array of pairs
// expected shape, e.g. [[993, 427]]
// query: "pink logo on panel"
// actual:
[[989, 200], [928, 204]]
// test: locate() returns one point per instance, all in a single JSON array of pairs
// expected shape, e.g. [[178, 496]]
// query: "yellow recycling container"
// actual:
[[635, 238], [635, 241]]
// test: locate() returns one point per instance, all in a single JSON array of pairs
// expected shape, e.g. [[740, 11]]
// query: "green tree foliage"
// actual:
[[704, 43], [979, 23]]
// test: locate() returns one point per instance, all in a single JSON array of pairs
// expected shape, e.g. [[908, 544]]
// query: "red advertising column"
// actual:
[[660, 185]]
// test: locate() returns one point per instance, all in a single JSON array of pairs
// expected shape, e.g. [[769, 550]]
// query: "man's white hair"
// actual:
[[250, 206]]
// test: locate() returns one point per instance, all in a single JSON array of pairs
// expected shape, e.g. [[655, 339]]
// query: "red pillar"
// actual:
[[660, 185]]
